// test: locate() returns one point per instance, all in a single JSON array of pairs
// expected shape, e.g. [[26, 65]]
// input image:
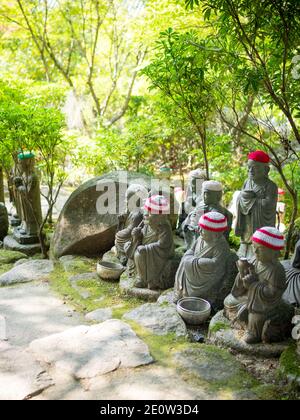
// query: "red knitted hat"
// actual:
[[270, 237], [259, 156], [157, 204], [213, 221]]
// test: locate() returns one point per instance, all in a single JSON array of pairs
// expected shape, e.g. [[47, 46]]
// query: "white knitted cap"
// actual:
[[135, 188], [213, 221], [270, 237], [212, 186], [197, 174]]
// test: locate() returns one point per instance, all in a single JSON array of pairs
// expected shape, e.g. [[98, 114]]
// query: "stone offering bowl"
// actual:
[[194, 311], [110, 271]]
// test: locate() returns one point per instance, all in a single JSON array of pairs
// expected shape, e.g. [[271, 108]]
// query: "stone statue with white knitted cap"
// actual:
[[193, 193], [135, 195], [256, 303], [257, 203], [202, 272], [151, 248], [212, 192]]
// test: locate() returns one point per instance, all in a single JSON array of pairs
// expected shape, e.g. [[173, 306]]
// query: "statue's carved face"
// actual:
[[26, 165], [212, 197], [263, 254], [152, 220], [257, 171], [209, 236]]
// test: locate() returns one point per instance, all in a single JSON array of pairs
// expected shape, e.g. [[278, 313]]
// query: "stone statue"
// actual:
[[28, 187], [296, 331], [129, 220], [151, 248], [256, 302], [15, 197], [212, 192], [3, 221], [292, 271], [203, 268], [256, 205], [193, 194], [188, 199]]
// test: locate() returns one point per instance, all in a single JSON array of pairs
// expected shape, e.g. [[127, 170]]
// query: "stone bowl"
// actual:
[[194, 311], [110, 271]]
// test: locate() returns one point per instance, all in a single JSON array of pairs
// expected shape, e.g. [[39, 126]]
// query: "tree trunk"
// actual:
[[2, 199]]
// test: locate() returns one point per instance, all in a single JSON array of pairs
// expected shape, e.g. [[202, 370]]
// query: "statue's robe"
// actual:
[[190, 225], [292, 270], [158, 249], [31, 204], [255, 213], [264, 294], [263, 299], [202, 269]]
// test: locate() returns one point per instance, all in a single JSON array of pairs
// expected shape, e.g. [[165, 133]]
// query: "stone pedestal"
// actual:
[[25, 239], [11, 244], [14, 221], [223, 334], [127, 287], [148, 295]]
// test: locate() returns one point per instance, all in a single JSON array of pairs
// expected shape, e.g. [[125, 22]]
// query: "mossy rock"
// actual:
[[290, 365], [100, 294], [222, 334], [216, 368], [10, 257], [77, 264], [4, 268]]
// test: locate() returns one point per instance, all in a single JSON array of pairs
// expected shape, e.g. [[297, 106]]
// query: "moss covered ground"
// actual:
[[216, 370]]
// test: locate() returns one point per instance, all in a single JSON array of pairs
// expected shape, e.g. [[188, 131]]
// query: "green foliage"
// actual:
[[183, 70], [290, 364]]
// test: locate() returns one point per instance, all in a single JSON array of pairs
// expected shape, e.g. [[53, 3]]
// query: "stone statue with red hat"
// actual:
[[151, 248], [256, 205], [203, 269], [256, 302]]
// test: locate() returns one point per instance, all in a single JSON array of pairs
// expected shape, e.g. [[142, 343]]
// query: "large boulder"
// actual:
[[81, 230]]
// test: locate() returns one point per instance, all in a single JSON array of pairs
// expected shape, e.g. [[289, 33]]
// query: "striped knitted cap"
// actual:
[[157, 204], [270, 237], [213, 221]]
